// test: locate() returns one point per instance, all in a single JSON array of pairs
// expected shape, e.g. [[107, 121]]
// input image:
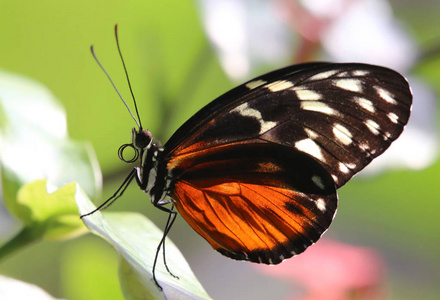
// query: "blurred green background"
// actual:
[[174, 72]]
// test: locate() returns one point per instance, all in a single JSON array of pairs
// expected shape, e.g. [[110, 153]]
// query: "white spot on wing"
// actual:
[[323, 75], [365, 103], [310, 147], [360, 73], [385, 95], [349, 84], [254, 84], [320, 204], [351, 166], [246, 111], [318, 107], [364, 146], [373, 127], [310, 133], [393, 117], [342, 134], [343, 168], [279, 85], [307, 95], [266, 126]]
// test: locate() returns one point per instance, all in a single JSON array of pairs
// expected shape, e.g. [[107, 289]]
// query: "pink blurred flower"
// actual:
[[331, 270], [249, 34]]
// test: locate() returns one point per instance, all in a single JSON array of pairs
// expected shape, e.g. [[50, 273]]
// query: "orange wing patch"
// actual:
[[259, 223], [261, 202]]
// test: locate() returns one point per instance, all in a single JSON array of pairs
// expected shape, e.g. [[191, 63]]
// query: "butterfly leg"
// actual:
[[119, 192], [172, 214], [170, 222]]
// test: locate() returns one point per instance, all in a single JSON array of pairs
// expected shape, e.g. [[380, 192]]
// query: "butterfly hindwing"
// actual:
[[261, 202]]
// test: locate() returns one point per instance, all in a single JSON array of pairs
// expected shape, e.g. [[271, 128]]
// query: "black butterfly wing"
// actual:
[[255, 171], [222, 105], [343, 115]]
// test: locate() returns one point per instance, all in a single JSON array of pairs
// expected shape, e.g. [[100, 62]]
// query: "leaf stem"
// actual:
[[24, 238]]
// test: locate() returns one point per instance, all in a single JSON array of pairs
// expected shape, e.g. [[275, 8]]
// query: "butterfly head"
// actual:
[[141, 141], [141, 138]]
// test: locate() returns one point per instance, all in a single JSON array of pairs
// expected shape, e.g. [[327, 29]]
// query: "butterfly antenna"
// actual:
[[114, 86], [126, 75]]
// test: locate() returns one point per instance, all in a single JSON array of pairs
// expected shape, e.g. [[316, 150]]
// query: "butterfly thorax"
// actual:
[[151, 174]]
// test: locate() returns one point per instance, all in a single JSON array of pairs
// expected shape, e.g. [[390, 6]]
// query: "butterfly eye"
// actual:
[[121, 153], [141, 139]]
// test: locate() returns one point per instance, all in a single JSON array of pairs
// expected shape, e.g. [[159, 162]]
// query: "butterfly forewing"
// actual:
[[343, 115]]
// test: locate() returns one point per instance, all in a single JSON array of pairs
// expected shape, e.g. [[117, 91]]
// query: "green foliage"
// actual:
[[49, 216], [34, 145], [54, 215], [28, 137], [136, 239], [34, 142]]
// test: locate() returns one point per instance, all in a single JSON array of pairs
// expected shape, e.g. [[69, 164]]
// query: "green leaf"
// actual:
[[136, 239], [55, 213], [34, 142], [50, 216]]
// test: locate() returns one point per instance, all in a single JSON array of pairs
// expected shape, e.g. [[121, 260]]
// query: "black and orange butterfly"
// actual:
[[255, 172]]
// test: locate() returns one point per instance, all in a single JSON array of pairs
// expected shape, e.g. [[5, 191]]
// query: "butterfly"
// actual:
[[256, 171]]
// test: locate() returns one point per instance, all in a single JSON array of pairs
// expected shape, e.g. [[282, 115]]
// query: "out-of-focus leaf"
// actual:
[[136, 239], [55, 213], [12, 289], [50, 216], [34, 142]]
